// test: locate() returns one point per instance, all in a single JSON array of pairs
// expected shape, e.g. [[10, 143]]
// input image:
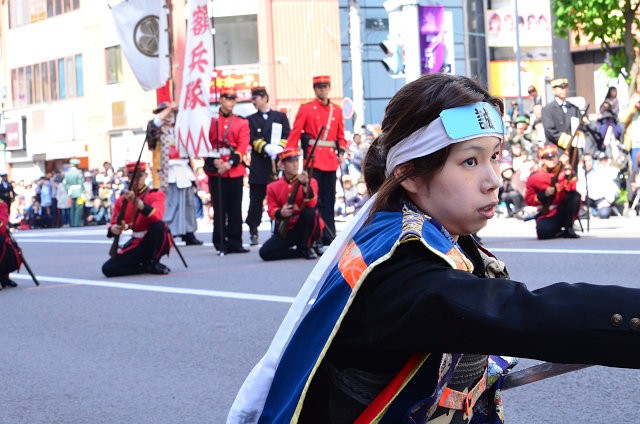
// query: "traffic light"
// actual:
[[393, 63]]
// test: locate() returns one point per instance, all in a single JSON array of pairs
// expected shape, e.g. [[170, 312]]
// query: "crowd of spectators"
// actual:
[[607, 166], [46, 202], [352, 193], [608, 172]]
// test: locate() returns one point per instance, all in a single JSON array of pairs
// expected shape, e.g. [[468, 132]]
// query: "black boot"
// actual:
[[319, 248], [308, 254], [253, 236], [570, 233], [155, 267], [191, 240], [7, 282]]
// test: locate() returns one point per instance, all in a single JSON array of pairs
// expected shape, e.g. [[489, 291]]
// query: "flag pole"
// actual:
[[172, 87]]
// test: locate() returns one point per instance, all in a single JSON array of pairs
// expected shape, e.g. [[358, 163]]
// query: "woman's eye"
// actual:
[[495, 156], [471, 162]]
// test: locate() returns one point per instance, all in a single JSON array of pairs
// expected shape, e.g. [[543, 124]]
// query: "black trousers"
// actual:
[[133, 261], [226, 195], [257, 193], [8, 257], [514, 201], [303, 234], [326, 202], [563, 219]]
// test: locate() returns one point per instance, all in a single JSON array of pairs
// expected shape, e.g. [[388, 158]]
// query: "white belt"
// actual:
[[222, 152], [323, 143], [138, 234]]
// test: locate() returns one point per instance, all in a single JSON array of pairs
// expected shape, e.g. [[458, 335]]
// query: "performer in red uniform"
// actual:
[[563, 210], [229, 137], [9, 257], [304, 226], [150, 239], [331, 146]]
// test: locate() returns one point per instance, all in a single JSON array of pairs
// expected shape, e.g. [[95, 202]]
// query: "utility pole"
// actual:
[[357, 83], [518, 60]]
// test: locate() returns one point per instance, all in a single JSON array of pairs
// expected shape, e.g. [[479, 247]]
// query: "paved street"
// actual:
[[146, 349]]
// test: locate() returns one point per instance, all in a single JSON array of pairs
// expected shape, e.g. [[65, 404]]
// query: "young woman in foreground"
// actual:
[[407, 309]]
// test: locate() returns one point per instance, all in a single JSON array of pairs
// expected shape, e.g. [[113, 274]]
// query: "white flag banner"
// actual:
[[142, 29], [194, 116]]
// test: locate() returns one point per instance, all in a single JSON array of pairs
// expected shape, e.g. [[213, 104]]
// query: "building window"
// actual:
[[79, 80], [37, 84], [236, 40], [24, 12], [22, 88], [54, 80], [18, 13], [62, 82], [29, 84], [15, 86], [70, 78], [46, 88], [114, 64], [48, 81]]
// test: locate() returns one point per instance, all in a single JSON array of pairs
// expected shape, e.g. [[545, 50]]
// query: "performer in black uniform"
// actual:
[[6, 190], [269, 131], [557, 114]]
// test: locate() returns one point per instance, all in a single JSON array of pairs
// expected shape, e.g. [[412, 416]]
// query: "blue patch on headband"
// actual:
[[471, 121]]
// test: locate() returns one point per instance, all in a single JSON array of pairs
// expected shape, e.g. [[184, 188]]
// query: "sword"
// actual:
[[173, 242], [537, 373], [24, 262]]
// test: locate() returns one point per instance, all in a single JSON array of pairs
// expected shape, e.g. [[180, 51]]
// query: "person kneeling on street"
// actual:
[[150, 239], [9, 256], [553, 191], [297, 223]]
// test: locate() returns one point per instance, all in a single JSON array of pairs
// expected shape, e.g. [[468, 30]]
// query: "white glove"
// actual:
[[272, 150], [268, 149]]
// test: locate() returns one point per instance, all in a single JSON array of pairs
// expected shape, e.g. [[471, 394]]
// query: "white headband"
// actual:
[[452, 126]]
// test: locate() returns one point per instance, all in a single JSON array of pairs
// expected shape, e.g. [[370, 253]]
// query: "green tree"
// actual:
[[610, 23]]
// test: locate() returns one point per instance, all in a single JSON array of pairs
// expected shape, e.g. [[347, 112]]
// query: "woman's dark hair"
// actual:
[[610, 91], [415, 106]]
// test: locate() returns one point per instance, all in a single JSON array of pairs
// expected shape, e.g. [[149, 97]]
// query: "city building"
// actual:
[[66, 90]]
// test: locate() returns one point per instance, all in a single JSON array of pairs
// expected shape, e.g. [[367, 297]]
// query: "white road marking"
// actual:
[[246, 296], [567, 251], [160, 289], [496, 249]]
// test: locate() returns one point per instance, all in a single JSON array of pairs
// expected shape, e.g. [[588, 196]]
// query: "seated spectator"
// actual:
[[97, 214], [347, 184], [597, 184], [355, 202], [512, 198], [634, 185], [36, 217], [521, 135], [612, 100], [105, 193]]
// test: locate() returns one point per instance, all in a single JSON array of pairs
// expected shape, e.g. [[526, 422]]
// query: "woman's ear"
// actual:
[[410, 184]]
